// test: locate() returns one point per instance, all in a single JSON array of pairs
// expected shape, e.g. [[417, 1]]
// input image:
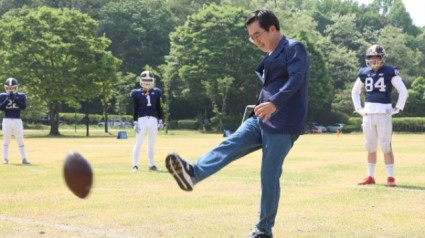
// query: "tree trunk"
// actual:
[[105, 114], [54, 118]]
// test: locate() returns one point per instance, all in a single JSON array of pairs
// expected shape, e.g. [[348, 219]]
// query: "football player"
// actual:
[[147, 117], [378, 81], [12, 102]]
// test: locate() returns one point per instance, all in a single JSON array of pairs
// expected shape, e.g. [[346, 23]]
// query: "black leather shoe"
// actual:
[[259, 234]]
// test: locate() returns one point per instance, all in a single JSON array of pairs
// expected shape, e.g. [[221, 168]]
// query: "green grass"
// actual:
[[320, 197]]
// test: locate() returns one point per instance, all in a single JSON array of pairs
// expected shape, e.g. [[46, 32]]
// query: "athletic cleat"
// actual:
[[135, 168], [367, 180], [181, 171], [391, 182], [153, 168], [25, 161], [5, 161], [259, 234]]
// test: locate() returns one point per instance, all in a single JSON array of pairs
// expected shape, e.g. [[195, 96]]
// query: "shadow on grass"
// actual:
[[19, 164], [67, 136], [160, 171], [409, 187]]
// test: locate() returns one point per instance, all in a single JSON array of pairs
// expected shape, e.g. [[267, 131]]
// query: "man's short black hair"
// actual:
[[265, 18]]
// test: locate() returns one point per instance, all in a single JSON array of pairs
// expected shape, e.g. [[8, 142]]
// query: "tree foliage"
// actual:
[[216, 61], [139, 32], [199, 51], [57, 55], [416, 99]]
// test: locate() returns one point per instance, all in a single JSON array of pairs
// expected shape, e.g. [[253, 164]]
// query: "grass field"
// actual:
[[320, 197]]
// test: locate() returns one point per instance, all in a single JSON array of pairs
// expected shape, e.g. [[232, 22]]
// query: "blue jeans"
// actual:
[[248, 138]]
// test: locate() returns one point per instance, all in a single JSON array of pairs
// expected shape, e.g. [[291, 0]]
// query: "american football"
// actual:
[[78, 174]]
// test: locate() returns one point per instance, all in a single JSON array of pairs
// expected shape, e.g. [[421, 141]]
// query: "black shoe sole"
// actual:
[[174, 168]]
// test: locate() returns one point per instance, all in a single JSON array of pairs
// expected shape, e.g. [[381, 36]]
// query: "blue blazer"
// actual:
[[285, 75]]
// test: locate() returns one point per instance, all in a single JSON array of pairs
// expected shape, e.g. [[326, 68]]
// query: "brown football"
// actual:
[[78, 174]]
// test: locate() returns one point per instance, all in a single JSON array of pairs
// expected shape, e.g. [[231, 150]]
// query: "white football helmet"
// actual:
[[11, 85], [375, 50], [147, 80]]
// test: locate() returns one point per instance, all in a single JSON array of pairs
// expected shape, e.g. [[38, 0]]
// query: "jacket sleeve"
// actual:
[[297, 61]]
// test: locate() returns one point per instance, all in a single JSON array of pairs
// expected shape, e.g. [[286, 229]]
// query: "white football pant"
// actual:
[[13, 126], [147, 125], [377, 127]]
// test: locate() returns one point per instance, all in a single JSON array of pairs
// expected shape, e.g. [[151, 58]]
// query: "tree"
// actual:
[[216, 61], [400, 18], [340, 38], [399, 54], [181, 10], [90, 7], [6, 5], [139, 30], [416, 99], [323, 11], [124, 85], [57, 55], [320, 88], [299, 25], [107, 83]]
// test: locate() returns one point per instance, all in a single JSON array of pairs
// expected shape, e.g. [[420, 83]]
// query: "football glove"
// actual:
[[12, 96], [394, 111], [160, 124], [136, 127], [361, 111]]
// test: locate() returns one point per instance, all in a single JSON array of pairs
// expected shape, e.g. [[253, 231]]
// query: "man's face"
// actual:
[[260, 37], [146, 84], [10, 89], [375, 62]]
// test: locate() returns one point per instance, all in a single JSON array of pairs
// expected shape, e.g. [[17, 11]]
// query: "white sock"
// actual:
[[5, 151], [390, 170], [22, 152], [371, 170]]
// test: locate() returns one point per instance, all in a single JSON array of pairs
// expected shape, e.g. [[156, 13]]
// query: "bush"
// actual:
[[338, 116], [187, 124], [400, 124], [356, 121], [172, 124], [409, 124], [79, 118], [351, 128], [227, 123]]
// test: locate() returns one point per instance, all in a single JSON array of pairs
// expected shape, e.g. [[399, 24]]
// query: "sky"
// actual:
[[414, 7]]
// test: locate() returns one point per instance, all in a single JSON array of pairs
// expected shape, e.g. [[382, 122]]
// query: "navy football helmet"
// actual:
[[375, 50], [147, 80], [11, 85]]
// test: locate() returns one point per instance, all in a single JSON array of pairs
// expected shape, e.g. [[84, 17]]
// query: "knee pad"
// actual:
[[371, 147], [386, 147]]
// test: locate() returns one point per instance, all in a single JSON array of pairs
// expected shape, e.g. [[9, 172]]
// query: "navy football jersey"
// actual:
[[146, 104], [377, 85], [12, 107]]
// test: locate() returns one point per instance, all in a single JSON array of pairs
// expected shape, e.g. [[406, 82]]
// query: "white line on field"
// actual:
[[105, 233], [407, 188]]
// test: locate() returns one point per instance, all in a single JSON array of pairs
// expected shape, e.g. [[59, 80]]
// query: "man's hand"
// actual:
[[160, 124], [394, 111], [361, 111], [264, 110], [136, 127], [12, 96]]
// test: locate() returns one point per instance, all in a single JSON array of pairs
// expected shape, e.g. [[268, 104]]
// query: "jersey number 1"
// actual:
[[148, 97]]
